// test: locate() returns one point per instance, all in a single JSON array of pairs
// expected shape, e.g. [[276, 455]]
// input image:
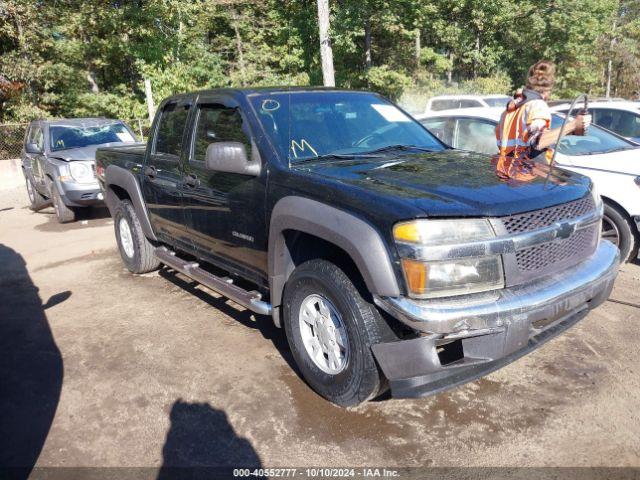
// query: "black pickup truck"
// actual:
[[389, 259]]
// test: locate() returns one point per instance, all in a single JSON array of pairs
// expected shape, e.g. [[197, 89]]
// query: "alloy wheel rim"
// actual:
[[610, 231], [126, 238], [323, 334]]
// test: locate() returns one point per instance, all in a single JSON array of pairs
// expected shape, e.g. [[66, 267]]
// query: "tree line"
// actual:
[[90, 58]]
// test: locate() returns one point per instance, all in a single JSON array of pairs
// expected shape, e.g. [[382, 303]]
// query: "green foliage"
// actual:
[[387, 82], [79, 58]]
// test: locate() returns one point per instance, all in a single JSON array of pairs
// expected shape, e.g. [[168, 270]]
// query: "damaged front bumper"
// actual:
[[466, 338]]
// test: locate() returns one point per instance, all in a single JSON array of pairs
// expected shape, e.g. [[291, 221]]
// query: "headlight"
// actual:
[[81, 172], [431, 279]]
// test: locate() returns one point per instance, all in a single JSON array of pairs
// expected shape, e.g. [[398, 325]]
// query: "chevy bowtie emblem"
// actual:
[[564, 230]]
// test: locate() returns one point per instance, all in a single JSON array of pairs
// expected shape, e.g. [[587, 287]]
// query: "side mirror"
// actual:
[[32, 148], [231, 157]]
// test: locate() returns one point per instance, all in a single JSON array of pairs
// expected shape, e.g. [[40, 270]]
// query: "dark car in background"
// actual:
[[58, 161]]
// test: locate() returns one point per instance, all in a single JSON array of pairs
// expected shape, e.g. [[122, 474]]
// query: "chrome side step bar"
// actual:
[[222, 285]]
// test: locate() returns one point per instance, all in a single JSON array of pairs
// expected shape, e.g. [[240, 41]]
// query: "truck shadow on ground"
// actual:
[[201, 443], [85, 218], [262, 323], [31, 370]]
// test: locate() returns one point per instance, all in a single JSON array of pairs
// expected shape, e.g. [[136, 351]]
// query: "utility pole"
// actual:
[[367, 44], [326, 53], [150, 106], [418, 48]]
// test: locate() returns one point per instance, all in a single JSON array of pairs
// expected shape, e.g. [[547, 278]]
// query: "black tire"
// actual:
[[64, 213], [36, 201], [360, 378], [142, 259], [617, 228]]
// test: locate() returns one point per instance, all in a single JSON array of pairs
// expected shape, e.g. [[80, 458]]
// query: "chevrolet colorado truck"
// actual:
[[391, 260], [58, 162]]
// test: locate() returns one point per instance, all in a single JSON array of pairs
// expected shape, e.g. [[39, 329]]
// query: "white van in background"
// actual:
[[449, 102]]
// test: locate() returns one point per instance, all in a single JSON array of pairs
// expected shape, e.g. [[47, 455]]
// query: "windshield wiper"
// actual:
[[610, 150], [335, 156], [401, 147]]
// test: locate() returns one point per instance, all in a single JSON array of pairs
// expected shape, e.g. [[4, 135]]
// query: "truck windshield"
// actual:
[[64, 137], [310, 125]]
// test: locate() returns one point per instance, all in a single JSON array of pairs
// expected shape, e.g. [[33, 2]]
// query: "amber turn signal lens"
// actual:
[[416, 274]]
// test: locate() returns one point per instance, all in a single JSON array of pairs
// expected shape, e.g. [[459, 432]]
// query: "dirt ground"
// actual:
[[103, 368]]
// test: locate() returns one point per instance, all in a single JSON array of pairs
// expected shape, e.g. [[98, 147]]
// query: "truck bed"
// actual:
[[126, 155]]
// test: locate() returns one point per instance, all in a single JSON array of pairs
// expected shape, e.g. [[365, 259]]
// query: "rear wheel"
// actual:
[[36, 201], [617, 228], [135, 249], [64, 213], [330, 328]]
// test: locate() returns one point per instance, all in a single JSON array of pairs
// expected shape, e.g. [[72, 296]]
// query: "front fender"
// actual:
[[358, 238], [124, 179]]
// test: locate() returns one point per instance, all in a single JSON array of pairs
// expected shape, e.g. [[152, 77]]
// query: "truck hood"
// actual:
[[83, 153], [456, 183]]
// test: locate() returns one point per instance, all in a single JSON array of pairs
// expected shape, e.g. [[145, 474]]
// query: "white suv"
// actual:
[[448, 102]]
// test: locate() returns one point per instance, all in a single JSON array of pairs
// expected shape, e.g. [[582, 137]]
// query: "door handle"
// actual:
[[191, 181], [151, 171]]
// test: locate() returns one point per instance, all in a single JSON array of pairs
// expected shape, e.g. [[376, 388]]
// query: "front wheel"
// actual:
[[64, 213], [330, 328], [617, 228], [135, 249]]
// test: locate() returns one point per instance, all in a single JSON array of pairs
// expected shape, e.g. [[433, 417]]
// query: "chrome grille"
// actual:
[[547, 258], [558, 253], [525, 222]]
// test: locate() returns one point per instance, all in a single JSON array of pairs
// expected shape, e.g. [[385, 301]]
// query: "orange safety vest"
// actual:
[[512, 132], [514, 152]]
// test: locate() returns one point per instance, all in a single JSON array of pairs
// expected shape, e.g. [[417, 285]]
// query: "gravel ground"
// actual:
[[104, 368]]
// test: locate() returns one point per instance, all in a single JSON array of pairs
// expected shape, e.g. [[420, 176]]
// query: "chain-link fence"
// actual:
[[12, 136]]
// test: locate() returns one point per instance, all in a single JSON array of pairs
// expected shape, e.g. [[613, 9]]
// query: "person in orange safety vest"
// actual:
[[524, 132]]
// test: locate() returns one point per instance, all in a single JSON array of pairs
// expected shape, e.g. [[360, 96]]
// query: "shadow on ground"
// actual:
[[202, 444], [85, 218], [247, 318], [31, 369]]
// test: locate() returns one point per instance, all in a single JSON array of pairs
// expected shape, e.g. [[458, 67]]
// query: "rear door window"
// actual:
[[441, 127], [468, 103], [476, 135], [170, 130], [438, 105]]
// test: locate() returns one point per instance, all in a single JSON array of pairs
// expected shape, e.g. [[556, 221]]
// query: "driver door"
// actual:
[[225, 212]]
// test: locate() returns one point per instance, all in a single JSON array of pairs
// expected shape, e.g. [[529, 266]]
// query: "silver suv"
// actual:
[[58, 161]]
